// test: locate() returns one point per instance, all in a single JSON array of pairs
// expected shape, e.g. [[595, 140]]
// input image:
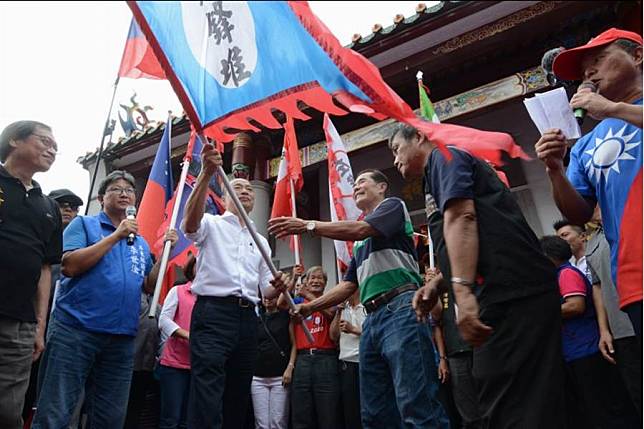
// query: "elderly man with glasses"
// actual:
[[90, 342], [30, 242]]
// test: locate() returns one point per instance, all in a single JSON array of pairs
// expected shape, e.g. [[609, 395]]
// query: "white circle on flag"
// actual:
[[221, 36]]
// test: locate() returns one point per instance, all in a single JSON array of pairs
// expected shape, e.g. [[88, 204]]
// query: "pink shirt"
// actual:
[[176, 313]]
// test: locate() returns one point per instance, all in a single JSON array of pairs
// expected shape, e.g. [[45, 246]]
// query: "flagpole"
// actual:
[[253, 233], [296, 238], [100, 149], [167, 245], [432, 265], [431, 247]]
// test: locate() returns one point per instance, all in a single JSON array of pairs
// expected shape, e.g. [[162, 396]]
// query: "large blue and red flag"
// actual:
[[230, 62], [158, 190], [138, 59], [214, 205]]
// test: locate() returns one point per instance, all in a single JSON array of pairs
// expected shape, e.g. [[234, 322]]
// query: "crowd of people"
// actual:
[[507, 331]]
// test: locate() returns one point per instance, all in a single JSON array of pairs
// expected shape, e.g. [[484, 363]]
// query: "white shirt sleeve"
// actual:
[[200, 234], [167, 324]]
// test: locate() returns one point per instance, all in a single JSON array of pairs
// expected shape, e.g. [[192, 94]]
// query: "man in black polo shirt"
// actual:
[[30, 241], [493, 261]]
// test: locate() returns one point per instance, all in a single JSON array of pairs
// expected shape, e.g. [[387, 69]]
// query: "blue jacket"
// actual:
[[107, 297]]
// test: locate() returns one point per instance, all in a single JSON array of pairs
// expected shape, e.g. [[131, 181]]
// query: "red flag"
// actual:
[[290, 170], [138, 59], [342, 204]]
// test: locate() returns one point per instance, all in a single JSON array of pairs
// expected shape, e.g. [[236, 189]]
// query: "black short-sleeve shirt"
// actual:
[[510, 262], [30, 237], [270, 360]]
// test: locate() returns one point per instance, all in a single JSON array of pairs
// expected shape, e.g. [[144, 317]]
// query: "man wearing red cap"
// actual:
[[606, 164]]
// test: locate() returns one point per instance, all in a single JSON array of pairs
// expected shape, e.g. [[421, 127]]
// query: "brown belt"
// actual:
[[385, 297]]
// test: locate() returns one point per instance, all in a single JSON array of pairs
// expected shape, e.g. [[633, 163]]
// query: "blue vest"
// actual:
[[580, 335], [107, 297]]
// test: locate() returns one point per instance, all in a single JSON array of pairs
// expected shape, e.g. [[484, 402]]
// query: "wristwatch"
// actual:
[[310, 227]]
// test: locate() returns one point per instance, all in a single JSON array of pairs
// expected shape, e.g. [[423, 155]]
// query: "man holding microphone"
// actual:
[[90, 341], [606, 164], [223, 331]]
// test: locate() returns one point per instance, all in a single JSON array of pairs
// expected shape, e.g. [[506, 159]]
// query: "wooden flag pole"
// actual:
[[296, 238], [167, 244], [255, 237]]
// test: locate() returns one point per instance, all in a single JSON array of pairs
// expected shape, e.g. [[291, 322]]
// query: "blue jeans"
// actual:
[[398, 374], [175, 388], [77, 359]]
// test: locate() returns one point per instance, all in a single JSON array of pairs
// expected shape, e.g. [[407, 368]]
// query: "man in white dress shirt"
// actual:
[[223, 331]]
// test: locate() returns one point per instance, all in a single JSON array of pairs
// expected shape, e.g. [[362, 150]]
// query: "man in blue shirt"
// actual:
[[606, 164], [90, 342]]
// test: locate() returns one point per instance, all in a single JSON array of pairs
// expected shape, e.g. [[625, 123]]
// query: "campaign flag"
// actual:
[[290, 169], [230, 62], [341, 202], [158, 190], [138, 59]]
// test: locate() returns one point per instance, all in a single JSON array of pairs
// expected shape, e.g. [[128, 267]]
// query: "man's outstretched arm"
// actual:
[[346, 230]]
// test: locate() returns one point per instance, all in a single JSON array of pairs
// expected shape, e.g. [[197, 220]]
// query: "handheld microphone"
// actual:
[[130, 212], [580, 113], [546, 64]]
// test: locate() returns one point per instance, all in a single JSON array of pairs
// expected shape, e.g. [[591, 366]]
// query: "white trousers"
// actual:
[[270, 402]]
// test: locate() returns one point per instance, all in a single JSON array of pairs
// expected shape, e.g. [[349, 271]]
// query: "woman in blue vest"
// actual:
[[90, 340]]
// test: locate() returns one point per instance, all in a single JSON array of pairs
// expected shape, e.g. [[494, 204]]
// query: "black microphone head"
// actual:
[[549, 58], [588, 84], [130, 211], [546, 64]]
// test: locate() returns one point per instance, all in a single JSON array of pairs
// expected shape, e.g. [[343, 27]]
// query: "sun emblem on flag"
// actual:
[[607, 153]]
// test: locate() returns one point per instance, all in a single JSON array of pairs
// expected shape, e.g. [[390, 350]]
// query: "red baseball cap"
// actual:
[[567, 65]]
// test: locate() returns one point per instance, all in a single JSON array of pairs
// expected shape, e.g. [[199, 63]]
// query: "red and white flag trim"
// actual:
[[341, 202]]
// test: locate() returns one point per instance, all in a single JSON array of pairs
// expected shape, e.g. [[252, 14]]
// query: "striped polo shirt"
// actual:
[[388, 260]]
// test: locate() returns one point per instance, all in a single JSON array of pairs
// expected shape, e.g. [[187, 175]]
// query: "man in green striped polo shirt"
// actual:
[[398, 376]]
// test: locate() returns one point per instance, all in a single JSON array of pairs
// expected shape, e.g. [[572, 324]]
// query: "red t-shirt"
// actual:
[[320, 328]]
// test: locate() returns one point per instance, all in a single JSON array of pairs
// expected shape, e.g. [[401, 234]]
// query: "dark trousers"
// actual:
[[591, 401], [350, 387], [315, 392], [519, 370], [634, 312], [223, 352], [464, 389], [175, 390], [143, 382], [628, 354]]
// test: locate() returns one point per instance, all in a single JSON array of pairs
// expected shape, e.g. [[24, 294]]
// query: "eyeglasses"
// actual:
[[68, 206], [48, 142], [129, 191]]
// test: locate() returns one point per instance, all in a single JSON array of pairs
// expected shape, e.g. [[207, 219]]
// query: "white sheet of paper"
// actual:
[[551, 110]]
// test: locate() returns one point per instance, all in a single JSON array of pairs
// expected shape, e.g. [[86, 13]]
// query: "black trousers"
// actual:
[[315, 392], [628, 354], [142, 383], [591, 398], [634, 312], [464, 389], [223, 352], [350, 387], [519, 370]]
